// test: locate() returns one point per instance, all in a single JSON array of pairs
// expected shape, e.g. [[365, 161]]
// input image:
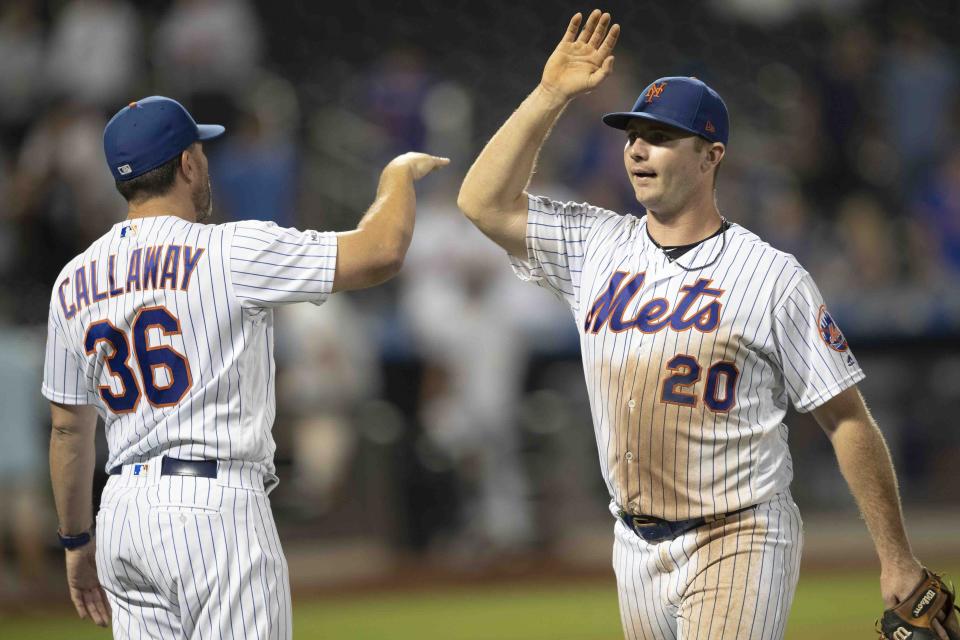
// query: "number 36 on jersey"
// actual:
[[164, 373]]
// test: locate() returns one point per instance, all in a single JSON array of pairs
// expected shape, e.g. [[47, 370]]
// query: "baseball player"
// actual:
[[164, 328], [695, 335]]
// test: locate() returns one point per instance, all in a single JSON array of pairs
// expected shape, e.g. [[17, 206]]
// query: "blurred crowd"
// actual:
[[445, 412]]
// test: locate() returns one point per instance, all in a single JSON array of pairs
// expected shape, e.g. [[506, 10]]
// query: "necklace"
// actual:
[[724, 225]]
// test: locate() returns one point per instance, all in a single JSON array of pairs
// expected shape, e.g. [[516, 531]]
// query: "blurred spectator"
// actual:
[[21, 68], [207, 50], [395, 90], [24, 500], [870, 254], [255, 167], [456, 299], [937, 206], [789, 224], [63, 197], [858, 263], [327, 368], [844, 83], [767, 13], [448, 115], [94, 53], [65, 148], [866, 271], [919, 93]]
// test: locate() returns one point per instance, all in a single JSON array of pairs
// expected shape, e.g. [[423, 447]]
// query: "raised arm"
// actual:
[[492, 195], [374, 251]]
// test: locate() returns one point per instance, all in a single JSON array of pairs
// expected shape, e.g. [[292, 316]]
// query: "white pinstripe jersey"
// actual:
[[689, 373], [166, 326]]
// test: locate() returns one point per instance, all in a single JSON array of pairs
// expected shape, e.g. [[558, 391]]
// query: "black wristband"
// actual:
[[74, 542]]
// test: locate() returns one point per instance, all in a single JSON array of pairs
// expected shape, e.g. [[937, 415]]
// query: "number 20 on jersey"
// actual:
[[719, 393]]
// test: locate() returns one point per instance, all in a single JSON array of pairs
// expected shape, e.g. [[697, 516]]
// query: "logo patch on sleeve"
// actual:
[[829, 331]]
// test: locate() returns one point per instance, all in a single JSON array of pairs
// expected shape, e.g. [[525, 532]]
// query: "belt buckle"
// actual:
[[645, 521], [649, 528]]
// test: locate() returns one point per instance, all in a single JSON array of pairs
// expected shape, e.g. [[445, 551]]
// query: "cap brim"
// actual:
[[621, 119], [209, 131]]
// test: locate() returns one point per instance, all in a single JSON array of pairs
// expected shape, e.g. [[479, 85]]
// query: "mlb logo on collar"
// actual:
[[128, 229]]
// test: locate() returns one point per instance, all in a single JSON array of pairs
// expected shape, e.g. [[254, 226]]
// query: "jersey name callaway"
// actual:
[[166, 326]]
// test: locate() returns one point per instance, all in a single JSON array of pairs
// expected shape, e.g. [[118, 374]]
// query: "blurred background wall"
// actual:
[[441, 422]]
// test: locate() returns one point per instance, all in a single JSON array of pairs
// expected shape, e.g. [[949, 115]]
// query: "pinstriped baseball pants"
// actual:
[[734, 578], [184, 557]]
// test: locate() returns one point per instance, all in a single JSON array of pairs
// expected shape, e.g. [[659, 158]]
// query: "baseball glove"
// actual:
[[913, 618]]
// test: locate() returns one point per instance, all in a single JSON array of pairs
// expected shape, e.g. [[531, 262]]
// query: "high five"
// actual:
[[493, 195]]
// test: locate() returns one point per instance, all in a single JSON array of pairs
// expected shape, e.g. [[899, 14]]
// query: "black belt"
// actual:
[[655, 530], [177, 467]]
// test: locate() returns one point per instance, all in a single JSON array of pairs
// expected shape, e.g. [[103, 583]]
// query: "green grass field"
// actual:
[[826, 605]]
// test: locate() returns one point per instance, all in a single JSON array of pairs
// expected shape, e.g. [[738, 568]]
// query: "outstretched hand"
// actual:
[[418, 164], [581, 62]]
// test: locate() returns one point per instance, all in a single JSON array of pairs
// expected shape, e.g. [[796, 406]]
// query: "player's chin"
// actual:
[[645, 195]]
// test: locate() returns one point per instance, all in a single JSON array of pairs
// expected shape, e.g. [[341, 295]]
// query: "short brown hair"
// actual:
[[153, 183]]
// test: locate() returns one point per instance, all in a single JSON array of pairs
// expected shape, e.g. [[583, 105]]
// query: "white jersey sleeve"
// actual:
[[814, 355], [63, 378], [272, 266], [557, 238]]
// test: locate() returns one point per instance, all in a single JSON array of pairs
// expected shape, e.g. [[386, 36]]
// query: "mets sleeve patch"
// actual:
[[829, 331]]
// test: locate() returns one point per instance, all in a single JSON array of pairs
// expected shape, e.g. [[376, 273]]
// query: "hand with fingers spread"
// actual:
[[88, 596], [583, 59]]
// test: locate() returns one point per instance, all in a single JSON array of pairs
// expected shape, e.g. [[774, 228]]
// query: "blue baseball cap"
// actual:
[[146, 133], [685, 103]]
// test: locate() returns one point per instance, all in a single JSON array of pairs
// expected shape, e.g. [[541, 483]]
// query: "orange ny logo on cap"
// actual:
[[655, 90]]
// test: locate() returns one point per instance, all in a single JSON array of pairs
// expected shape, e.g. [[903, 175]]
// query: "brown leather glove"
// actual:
[[913, 619]]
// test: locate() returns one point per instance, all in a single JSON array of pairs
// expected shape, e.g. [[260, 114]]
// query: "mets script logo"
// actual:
[[654, 315], [655, 90], [829, 331]]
